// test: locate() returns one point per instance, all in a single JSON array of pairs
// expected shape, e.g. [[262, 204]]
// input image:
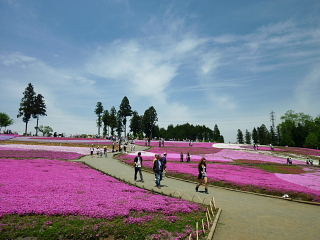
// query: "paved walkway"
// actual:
[[244, 216]]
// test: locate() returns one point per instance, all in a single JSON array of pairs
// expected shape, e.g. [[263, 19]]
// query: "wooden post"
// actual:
[[214, 203], [211, 209], [197, 232], [207, 220], [209, 214], [203, 226]]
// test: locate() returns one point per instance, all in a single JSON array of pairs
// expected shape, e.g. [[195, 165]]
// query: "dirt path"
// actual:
[[244, 216]]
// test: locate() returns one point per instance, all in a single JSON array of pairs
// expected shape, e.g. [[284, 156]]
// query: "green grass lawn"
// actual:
[[81, 227]]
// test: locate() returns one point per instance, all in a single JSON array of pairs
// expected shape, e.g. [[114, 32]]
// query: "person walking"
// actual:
[[202, 176], [138, 166], [113, 146], [164, 166], [188, 157], [91, 150], [157, 169], [105, 151], [181, 157]]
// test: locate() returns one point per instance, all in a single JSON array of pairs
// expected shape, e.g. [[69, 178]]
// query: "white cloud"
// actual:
[[146, 71], [307, 91]]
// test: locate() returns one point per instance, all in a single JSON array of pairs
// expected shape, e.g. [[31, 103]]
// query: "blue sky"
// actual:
[[205, 62]]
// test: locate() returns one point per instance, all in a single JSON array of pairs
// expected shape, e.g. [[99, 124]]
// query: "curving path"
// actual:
[[244, 216]]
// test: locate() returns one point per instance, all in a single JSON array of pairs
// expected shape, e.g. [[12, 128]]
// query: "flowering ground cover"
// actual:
[[303, 151], [4, 137], [14, 147], [86, 141], [244, 170], [38, 196], [175, 143], [18, 153]]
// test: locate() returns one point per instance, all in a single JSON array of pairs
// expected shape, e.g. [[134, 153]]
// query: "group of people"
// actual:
[[188, 157], [161, 142], [159, 169], [310, 162], [99, 151]]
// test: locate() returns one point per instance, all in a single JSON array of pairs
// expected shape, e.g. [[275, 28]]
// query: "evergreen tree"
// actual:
[[105, 120], [240, 136], [263, 135], [216, 134], [136, 124], [99, 110], [255, 136], [39, 109], [149, 120], [125, 111], [5, 120], [27, 105], [248, 137], [113, 120], [119, 125]]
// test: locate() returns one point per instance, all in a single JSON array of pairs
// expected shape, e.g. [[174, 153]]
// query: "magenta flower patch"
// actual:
[[42, 186]]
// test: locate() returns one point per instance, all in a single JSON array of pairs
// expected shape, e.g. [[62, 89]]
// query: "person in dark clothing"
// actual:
[[91, 150], [157, 168], [188, 157], [138, 166], [164, 166], [181, 157], [202, 176]]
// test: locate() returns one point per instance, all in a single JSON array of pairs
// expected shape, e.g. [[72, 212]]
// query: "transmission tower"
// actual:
[[272, 119]]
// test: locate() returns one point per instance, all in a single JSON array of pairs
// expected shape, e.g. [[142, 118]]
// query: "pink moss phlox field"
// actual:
[[143, 219], [95, 141], [175, 144], [264, 148], [4, 137], [242, 175], [42, 186], [79, 150], [305, 151], [18, 153], [218, 155]]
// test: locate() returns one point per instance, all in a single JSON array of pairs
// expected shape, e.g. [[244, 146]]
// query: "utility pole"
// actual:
[[272, 119]]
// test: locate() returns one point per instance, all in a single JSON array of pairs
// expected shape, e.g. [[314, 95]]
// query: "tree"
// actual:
[[5, 120], [240, 136], [149, 120], [255, 135], [136, 124], [125, 111], [119, 126], [46, 130], [27, 105], [248, 137], [105, 120], [263, 135], [312, 140], [39, 109], [217, 137], [99, 111], [113, 119]]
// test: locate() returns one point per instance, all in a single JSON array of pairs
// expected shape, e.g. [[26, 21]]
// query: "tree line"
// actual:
[[114, 122], [295, 130]]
